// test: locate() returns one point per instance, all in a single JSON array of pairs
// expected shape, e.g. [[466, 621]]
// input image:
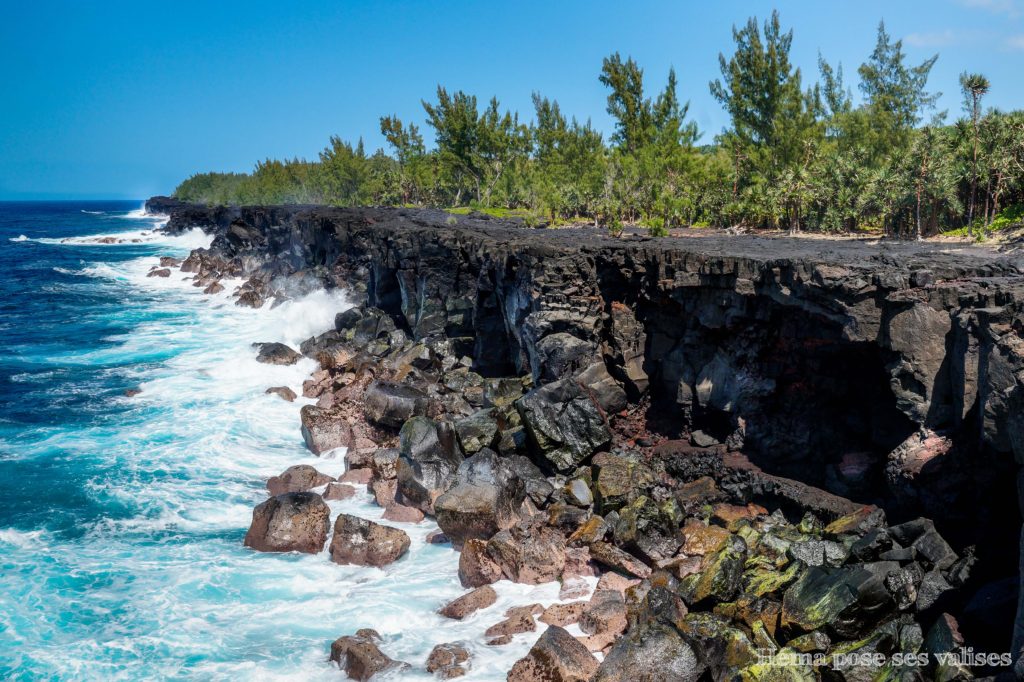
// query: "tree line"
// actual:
[[795, 156]]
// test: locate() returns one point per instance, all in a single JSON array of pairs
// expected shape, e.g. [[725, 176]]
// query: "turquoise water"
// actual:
[[121, 519]]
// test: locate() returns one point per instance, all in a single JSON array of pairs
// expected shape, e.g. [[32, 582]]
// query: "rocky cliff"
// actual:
[[882, 373]]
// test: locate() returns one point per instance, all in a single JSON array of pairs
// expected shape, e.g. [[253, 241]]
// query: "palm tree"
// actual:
[[974, 86]]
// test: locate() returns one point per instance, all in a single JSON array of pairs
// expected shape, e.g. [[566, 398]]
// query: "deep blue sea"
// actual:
[[122, 518]]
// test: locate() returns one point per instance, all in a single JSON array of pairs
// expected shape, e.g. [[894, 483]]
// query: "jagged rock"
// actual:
[[384, 492], [518, 620], [276, 354], [159, 272], [291, 522], [649, 529], [361, 476], [446, 661], [616, 559], [556, 657], [844, 599], [531, 556], [563, 423], [537, 487], [283, 392], [324, 430], [605, 614], [384, 463], [359, 656], [484, 499], [477, 431], [429, 458], [620, 478], [480, 598], [720, 575], [391, 404], [650, 655], [295, 479], [365, 543], [476, 567]]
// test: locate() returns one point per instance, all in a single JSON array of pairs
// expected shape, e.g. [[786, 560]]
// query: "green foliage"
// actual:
[[793, 157]]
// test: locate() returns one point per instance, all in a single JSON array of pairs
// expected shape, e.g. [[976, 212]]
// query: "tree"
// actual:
[[762, 93], [974, 87], [895, 93], [626, 102]]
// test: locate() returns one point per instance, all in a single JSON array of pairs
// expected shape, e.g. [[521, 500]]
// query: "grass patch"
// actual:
[[1008, 217]]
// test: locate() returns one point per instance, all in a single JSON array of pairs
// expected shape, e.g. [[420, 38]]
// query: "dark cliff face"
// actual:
[[885, 373]]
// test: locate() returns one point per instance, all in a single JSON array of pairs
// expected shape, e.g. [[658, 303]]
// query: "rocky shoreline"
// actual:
[[744, 441]]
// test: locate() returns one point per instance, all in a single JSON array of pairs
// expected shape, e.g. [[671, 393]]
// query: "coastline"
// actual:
[[324, 251]]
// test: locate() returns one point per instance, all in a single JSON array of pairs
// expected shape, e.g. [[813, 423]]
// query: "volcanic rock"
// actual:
[[291, 522], [365, 543]]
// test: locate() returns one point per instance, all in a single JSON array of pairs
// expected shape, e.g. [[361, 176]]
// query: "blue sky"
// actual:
[[124, 99]]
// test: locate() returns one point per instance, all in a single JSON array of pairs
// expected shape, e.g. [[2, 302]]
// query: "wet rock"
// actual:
[[169, 262], [563, 424], [437, 538], [476, 568], [446, 661], [401, 513], [339, 491], [298, 478], [159, 272], [429, 459], [359, 656], [213, 288], [324, 430], [484, 499], [132, 392], [391, 404], [276, 354], [291, 522], [365, 543], [518, 619], [283, 392], [480, 598], [359, 476], [556, 657]]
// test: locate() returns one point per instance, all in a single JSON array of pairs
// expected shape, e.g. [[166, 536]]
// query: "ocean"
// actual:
[[122, 518]]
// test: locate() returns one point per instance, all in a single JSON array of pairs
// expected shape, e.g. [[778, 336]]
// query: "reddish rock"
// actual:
[[556, 657], [365, 543], [296, 479], [360, 657], [615, 581], [578, 564], [446, 661], [292, 522], [563, 614], [480, 598], [605, 613], [732, 515], [614, 558], [518, 619], [574, 588], [132, 392], [476, 568], [530, 556], [339, 491], [323, 430], [360, 476], [384, 492], [214, 288], [402, 514]]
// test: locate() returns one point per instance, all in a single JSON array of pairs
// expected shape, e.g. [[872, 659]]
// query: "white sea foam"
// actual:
[[19, 238], [93, 212]]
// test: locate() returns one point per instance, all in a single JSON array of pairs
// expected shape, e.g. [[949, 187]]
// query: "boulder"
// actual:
[[652, 654], [649, 529], [614, 558], [473, 601], [845, 600], [296, 479], [401, 513], [282, 392], [446, 661], [359, 656], [484, 499], [518, 619], [339, 491], [563, 424], [563, 614], [291, 522], [476, 568], [384, 463], [159, 272], [477, 431], [324, 430], [530, 556], [556, 657], [428, 460], [605, 614], [365, 543], [391, 404], [276, 354], [620, 478]]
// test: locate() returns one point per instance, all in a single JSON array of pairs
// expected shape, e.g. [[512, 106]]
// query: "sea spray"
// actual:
[[126, 559]]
